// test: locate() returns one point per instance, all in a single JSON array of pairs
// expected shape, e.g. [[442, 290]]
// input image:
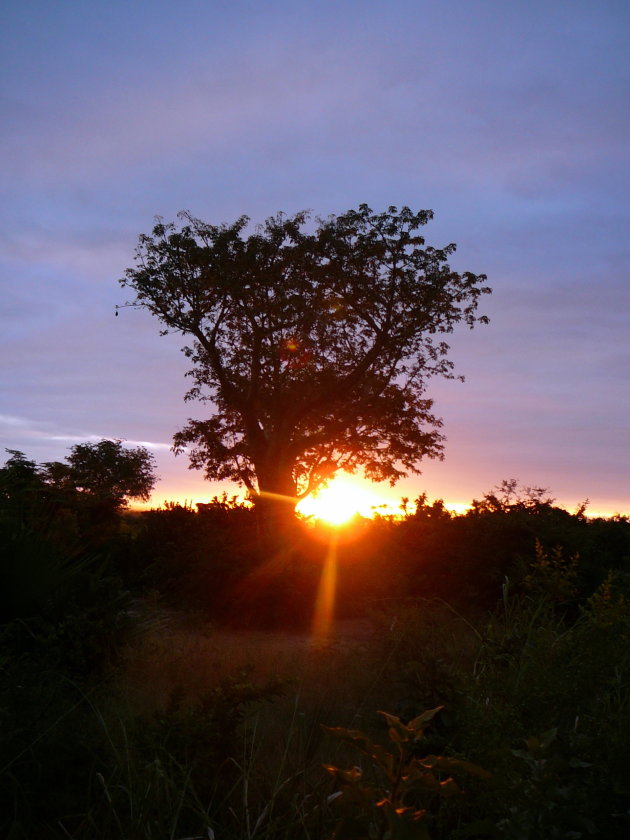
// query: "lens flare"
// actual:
[[324, 613]]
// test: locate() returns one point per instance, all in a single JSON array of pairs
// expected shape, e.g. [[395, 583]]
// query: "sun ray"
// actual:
[[324, 611]]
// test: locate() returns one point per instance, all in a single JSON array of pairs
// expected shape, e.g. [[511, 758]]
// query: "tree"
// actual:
[[18, 475], [71, 502], [313, 345], [105, 472], [21, 487]]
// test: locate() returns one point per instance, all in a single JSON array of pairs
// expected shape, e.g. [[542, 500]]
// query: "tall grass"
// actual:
[[206, 733]]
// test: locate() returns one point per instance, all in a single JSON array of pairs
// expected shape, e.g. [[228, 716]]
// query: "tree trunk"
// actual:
[[276, 499], [276, 513]]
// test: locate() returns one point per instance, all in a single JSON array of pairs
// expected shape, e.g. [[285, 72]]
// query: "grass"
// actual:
[[187, 652], [212, 733], [257, 769], [273, 785], [122, 720]]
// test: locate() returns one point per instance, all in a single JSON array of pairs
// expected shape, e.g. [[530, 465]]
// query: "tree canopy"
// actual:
[[313, 341], [106, 471]]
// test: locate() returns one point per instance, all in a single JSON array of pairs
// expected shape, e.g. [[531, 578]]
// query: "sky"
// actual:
[[511, 121]]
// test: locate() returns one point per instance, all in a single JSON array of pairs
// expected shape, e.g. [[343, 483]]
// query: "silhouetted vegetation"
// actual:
[[157, 678], [203, 559], [313, 346]]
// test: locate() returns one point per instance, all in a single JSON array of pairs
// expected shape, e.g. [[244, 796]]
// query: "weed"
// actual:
[[396, 803]]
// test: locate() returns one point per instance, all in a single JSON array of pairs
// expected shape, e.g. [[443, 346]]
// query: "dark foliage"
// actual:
[[513, 616], [215, 560]]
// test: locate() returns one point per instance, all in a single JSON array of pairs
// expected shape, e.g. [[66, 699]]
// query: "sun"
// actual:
[[333, 504], [342, 499]]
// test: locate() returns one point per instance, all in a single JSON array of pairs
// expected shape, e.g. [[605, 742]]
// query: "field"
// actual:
[[178, 680]]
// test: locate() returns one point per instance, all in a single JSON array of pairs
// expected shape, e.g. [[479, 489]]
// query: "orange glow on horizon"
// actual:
[[343, 498], [347, 495]]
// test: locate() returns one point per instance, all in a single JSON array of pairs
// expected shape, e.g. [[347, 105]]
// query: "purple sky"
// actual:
[[511, 120]]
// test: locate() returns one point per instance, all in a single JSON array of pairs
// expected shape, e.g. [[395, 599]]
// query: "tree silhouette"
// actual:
[[105, 471], [312, 342]]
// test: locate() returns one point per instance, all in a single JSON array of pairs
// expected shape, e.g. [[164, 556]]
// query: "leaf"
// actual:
[[418, 724], [353, 736], [375, 752], [397, 731], [385, 761], [425, 717], [449, 765], [405, 823], [391, 720], [449, 787], [395, 736], [345, 777], [419, 779]]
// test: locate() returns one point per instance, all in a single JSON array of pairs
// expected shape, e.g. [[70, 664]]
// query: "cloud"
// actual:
[[509, 120], [41, 431], [282, 97]]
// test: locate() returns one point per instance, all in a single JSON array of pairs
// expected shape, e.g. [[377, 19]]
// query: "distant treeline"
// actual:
[[215, 558]]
